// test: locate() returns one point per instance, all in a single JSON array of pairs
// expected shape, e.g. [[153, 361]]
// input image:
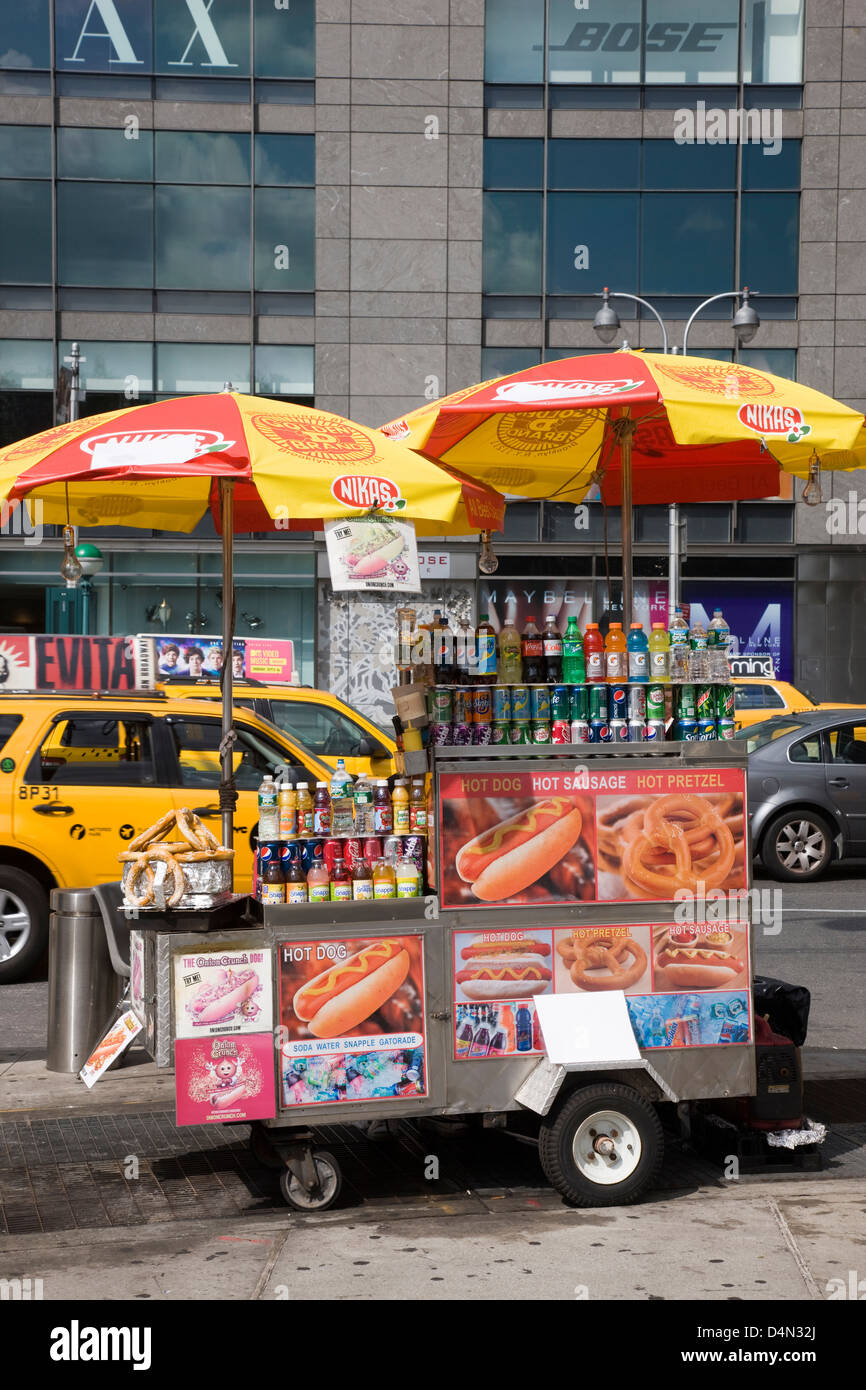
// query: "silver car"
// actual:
[[807, 790]]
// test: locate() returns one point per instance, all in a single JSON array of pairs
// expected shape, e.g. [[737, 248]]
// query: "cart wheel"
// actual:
[[326, 1191], [603, 1147], [263, 1150]]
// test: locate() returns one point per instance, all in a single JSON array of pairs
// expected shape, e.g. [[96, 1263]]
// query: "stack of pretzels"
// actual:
[[177, 838]]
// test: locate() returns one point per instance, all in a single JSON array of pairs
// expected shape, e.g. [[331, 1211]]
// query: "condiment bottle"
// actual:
[[288, 813], [322, 810], [305, 809], [383, 815], [362, 880], [402, 820], [296, 883], [384, 880], [319, 882], [341, 883]]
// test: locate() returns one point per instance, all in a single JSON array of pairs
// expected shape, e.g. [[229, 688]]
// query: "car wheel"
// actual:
[[23, 923], [797, 846]]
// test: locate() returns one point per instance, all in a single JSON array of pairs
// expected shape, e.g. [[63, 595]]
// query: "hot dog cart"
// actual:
[[605, 970]]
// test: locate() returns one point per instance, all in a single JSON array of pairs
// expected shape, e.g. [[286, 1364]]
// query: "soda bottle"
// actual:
[[362, 880], [523, 1029], [443, 650], [659, 654], [532, 654], [465, 1033], [506, 1022], [485, 646], [615, 655], [305, 809], [593, 651], [481, 1040], [638, 654], [321, 810], [466, 657], [269, 811], [510, 663], [573, 663], [552, 650], [341, 883]]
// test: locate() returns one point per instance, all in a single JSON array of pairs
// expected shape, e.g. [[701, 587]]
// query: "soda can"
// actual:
[[725, 729], [352, 851], [266, 853], [560, 702], [500, 733], [706, 730], [655, 731], [440, 735], [655, 701], [617, 702], [521, 733], [392, 849], [579, 702], [502, 704], [686, 708], [290, 853], [637, 702], [599, 731], [636, 731], [580, 731], [540, 696], [311, 850], [461, 708], [705, 702], [541, 731], [520, 711], [725, 701], [482, 733], [461, 734], [618, 731], [331, 852], [686, 730], [372, 848], [482, 707], [598, 703], [440, 704], [560, 731]]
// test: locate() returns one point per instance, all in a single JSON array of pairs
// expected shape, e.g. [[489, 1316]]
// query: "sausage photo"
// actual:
[[348, 992], [507, 858], [709, 961]]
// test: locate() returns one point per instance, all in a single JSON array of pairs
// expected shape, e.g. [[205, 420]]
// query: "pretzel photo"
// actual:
[[659, 845], [623, 958]]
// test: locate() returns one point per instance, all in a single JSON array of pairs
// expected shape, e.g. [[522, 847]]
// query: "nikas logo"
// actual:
[[535, 392], [360, 490], [786, 420]]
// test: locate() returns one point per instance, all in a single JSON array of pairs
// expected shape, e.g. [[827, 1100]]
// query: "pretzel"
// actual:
[[201, 856], [207, 837], [146, 897], [153, 832], [187, 828], [156, 852], [602, 952], [684, 843]]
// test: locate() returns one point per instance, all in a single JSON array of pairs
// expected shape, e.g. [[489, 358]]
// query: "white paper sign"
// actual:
[[109, 1048], [373, 554], [582, 1028]]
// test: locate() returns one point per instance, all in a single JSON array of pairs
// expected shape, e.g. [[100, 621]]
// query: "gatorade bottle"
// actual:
[[593, 652], [485, 643], [638, 655], [552, 647], [573, 663], [659, 654], [532, 654], [615, 655], [510, 663]]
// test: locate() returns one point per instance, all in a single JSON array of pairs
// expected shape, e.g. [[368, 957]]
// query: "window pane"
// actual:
[[104, 154], [499, 361], [707, 523], [848, 744], [589, 49], [105, 234], [109, 366], [285, 39], [202, 157], [284, 371], [773, 48], [323, 730], [203, 238], [765, 523], [681, 237], [779, 361], [593, 164], [25, 41], [199, 367], [22, 413], [85, 42], [214, 44], [592, 241], [512, 243], [668, 165], [513, 163], [25, 233], [25, 150], [700, 48], [769, 241], [287, 160], [102, 750], [768, 165], [514, 41], [285, 239], [808, 750], [25, 365]]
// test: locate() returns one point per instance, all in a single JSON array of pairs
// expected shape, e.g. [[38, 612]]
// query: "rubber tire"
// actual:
[[35, 899], [263, 1151], [558, 1130], [770, 860], [320, 1156]]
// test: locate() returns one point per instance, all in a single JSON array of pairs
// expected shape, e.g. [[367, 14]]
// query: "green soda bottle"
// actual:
[[573, 664]]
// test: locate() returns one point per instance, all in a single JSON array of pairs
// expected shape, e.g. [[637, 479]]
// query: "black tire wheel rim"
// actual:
[[801, 846]]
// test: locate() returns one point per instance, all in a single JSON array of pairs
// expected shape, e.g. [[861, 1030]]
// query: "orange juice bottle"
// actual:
[[615, 655], [384, 880]]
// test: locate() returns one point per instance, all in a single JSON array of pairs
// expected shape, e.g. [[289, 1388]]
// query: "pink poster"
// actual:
[[222, 1079]]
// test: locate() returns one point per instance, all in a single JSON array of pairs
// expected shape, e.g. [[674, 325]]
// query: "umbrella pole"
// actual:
[[228, 795], [627, 428]]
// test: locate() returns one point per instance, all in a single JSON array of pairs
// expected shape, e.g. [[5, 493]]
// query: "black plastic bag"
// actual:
[[785, 1006]]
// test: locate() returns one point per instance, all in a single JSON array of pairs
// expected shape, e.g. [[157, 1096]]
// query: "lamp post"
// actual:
[[607, 324], [90, 559]]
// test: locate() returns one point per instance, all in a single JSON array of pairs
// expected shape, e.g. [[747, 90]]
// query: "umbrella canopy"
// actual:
[[159, 466], [697, 430]]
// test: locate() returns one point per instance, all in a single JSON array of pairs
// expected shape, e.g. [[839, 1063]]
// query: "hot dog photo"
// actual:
[[503, 965], [223, 991], [372, 554], [705, 955]]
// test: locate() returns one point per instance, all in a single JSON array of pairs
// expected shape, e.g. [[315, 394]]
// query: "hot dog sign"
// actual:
[[373, 553], [222, 992]]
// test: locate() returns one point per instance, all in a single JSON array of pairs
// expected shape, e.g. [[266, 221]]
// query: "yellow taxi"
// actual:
[[758, 697], [81, 775], [323, 723]]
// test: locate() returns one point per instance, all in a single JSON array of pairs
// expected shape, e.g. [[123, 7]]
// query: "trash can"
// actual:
[[82, 986]]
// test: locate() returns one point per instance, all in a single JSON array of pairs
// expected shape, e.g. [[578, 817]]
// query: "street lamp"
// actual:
[[90, 559], [607, 324]]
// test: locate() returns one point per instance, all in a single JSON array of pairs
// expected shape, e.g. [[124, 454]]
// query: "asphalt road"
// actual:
[[811, 934]]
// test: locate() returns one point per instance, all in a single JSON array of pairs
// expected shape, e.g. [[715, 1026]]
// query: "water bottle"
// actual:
[[269, 810], [342, 801], [679, 638]]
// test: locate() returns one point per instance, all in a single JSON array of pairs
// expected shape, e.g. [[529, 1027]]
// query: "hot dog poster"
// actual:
[[517, 838], [224, 1078], [352, 1020], [221, 992], [373, 554]]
